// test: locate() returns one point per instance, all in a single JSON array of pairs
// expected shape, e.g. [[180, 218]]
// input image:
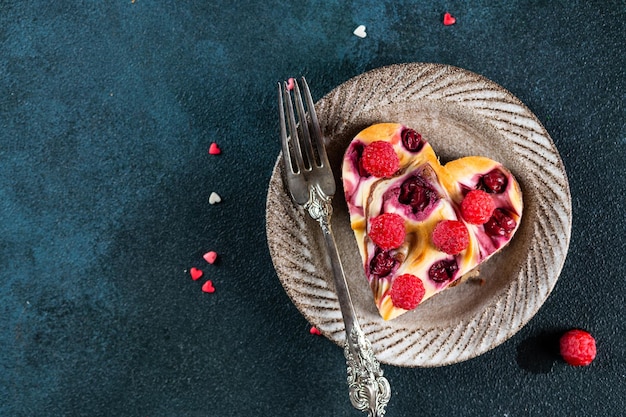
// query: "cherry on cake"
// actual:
[[419, 225]]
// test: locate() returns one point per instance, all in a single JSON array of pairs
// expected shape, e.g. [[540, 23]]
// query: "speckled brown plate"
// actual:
[[460, 113]]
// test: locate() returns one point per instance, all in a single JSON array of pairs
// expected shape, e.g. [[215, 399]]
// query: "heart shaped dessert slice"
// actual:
[[421, 226]]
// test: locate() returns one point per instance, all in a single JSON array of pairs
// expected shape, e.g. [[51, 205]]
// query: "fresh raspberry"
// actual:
[[450, 236], [578, 347], [477, 207], [407, 291], [387, 231], [380, 159]]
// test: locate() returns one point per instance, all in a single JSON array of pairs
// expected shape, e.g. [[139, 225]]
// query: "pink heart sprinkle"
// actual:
[[208, 287], [448, 19], [195, 273], [314, 330], [210, 257], [290, 82], [214, 149]]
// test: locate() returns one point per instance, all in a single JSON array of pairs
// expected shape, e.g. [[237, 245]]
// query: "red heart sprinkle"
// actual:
[[208, 287], [195, 273], [210, 257], [290, 84], [448, 19], [214, 149], [314, 330]]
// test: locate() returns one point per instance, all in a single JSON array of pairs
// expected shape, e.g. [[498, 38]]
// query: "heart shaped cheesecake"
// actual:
[[421, 226]]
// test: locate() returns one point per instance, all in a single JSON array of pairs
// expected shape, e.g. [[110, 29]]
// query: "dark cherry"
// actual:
[[412, 140], [382, 263], [416, 193], [494, 182], [500, 224], [362, 171], [358, 153], [444, 270]]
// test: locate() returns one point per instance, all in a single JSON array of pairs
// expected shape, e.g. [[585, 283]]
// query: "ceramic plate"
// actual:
[[460, 113]]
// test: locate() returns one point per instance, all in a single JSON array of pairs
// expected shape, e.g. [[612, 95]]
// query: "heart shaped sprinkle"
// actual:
[[448, 19], [208, 287], [214, 198], [314, 330], [421, 226], [210, 257], [196, 273], [360, 31], [290, 83], [214, 149]]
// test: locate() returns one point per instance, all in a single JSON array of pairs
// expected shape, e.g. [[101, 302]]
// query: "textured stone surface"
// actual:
[[107, 110]]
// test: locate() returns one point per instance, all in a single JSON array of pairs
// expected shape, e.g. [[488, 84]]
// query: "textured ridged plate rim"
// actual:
[[459, 112]]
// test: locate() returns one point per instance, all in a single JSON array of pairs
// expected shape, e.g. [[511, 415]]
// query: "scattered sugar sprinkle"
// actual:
[[314, 330], [214, 149], [214, 198], [360, 31], [448, 19], [208, 287], [196, 273], [210, 257], [290, 83]]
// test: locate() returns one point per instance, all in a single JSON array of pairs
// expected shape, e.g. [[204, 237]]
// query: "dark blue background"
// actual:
[[107, 109]]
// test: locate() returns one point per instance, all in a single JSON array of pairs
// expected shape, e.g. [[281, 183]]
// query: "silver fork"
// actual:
[[311, 184]]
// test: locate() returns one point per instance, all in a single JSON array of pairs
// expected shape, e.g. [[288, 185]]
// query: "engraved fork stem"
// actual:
[[369, 389]]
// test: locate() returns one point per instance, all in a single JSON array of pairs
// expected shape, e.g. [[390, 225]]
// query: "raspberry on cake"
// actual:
[[407, 292], [421, 226], [477, 207], [387, 231], [380, 159], [451, 237]]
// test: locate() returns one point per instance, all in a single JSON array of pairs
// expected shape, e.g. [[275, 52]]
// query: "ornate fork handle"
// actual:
[[369, 389]]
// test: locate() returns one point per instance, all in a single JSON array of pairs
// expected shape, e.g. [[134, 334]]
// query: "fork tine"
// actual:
[[326, 181], [284, 140], [315, 125], [300, 139], [292, 159], [305, 137], [293, 131]]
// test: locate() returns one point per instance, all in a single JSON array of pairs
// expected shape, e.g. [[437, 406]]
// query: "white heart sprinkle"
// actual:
[[360, 31], [214, 198]]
